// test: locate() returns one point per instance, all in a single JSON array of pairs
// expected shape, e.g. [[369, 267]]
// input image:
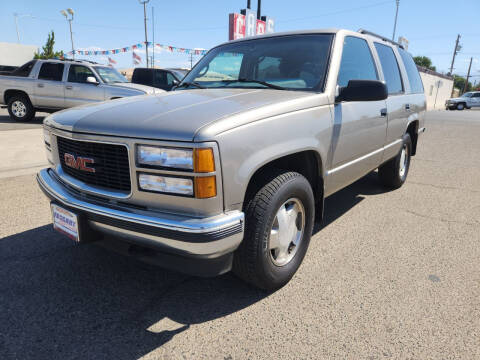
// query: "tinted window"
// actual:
[[390, 69], [416, 85], [476, 95], [79, 74], [357, 62], [142, 76], [51, 71], [160, 78], [25, 69], [294, 62]]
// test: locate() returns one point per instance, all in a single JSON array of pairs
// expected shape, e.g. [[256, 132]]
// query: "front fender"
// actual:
[[247, 148]]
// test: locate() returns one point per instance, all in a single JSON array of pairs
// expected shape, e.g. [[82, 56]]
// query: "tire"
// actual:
[[391, 174], [20, 108], [460, 106], [286, 201]]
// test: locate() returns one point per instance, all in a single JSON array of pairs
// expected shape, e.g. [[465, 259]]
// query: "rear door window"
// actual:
[[51, 71], [357, 62], [416, 85], [391, 72], [142, 76]]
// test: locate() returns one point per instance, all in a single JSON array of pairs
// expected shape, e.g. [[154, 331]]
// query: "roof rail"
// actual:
[[366, 32]]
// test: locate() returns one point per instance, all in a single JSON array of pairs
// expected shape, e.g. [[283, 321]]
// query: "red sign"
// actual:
[[238, 24], [236, 28]]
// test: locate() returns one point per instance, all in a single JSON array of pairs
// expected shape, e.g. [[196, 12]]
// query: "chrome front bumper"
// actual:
[[205, 238]]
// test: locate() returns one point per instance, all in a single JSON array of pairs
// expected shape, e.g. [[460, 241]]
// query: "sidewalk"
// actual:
[[22, 152]]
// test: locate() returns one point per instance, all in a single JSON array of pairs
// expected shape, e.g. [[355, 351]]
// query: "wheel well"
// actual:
[[412, 130], [9, 93], [308, 163]]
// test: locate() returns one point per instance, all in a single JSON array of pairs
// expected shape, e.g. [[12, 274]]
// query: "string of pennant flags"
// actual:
[[139, 46]]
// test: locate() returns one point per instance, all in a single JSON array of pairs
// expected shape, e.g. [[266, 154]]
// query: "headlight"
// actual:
[[165, 184], [197, 160], [165, 157], [47, 138]]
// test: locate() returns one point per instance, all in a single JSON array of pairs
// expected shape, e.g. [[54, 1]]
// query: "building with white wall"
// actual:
[[438, 88], [12, 54]]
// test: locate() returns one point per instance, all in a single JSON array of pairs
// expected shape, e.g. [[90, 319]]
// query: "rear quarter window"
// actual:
[[416, 85]]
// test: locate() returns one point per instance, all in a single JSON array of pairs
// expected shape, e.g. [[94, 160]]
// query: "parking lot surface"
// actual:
[[389, 274]]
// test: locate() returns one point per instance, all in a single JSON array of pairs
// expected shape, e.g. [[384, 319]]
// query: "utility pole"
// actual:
[[468, 75], [64, 13], [153, 38], [249, 4], [395, 23], [455, 51], [144, 2], [259, 10]]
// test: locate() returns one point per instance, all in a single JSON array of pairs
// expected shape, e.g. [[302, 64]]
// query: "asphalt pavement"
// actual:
[[388, 275]]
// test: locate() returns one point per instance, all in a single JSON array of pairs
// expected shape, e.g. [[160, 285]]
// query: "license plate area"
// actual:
[[65, 222]]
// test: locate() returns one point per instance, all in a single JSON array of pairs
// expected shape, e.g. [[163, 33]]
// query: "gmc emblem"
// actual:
[[80, 163]]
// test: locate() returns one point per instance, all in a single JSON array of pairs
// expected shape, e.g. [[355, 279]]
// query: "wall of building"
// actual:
[[12, 54], [438, 88]]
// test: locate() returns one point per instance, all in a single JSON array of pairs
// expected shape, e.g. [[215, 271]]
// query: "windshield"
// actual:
[[110, 75], [467, 95], [295, 62]]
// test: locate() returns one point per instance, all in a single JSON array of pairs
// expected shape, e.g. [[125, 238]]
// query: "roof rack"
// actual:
[[366, 32]]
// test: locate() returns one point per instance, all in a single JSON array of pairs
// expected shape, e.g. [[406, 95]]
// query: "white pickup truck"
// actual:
[[50, 85]]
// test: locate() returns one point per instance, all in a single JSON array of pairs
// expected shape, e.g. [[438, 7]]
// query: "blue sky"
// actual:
[[430, 25]]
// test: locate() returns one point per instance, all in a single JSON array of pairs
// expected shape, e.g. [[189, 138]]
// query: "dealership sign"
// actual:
[[246, 24]]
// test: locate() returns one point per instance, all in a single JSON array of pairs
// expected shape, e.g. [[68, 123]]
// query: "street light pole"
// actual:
[[17, 16], [395, 23], [71, 12], [144, 2]]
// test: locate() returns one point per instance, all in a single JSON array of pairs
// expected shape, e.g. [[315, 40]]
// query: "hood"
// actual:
[[458, 99], [176, 115], [145, 88]]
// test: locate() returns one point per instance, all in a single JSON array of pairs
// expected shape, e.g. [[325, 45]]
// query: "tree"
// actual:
[[48, 52], [459, 83], [424, 61]]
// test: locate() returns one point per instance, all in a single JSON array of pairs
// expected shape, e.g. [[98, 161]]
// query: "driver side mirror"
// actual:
[[92, 80], [362, 90]]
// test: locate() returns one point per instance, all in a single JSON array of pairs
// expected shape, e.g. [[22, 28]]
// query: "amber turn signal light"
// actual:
[[205, 187], [203, 160]]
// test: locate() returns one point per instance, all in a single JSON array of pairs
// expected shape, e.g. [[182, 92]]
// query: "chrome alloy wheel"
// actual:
[[286, 232], [403, 160], [19, 109]]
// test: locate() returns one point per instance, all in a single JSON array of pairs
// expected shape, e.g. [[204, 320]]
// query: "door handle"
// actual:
[[68, 87], [407, 106], [383, 112], [40, 85]]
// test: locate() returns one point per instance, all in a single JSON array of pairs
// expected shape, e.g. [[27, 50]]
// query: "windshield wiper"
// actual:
[[186, 84], [264, 83]]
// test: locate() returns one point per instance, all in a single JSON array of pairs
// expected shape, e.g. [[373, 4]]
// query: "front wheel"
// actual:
[[393, 173], [460, 106], [278, 226]]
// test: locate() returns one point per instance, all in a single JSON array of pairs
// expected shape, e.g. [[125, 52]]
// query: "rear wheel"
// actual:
[[278, 226], [393, 173], [20, 108]]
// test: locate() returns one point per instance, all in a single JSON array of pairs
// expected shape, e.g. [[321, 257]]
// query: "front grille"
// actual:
[[111, 165]]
